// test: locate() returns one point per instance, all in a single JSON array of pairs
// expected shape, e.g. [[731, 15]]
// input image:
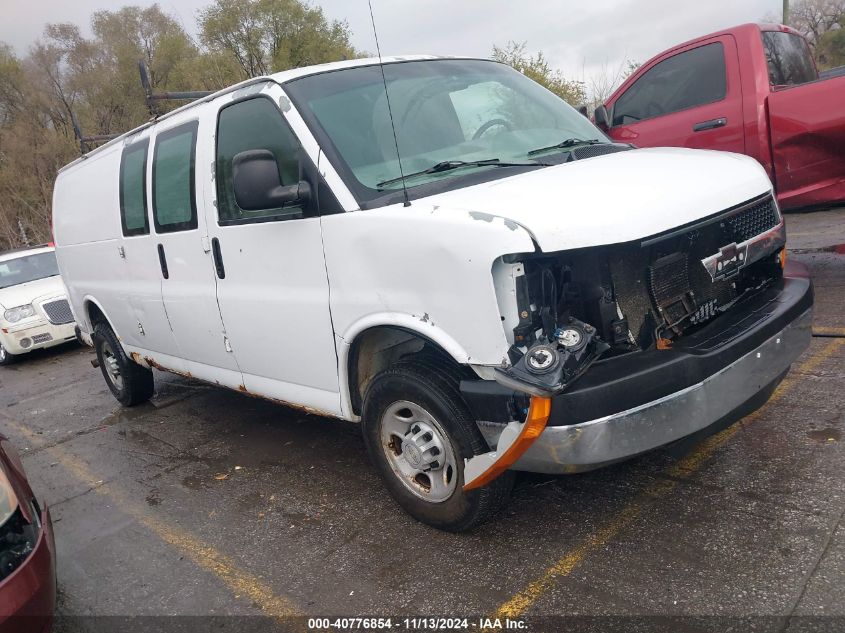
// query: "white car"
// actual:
[[34, 310], [517, 292]]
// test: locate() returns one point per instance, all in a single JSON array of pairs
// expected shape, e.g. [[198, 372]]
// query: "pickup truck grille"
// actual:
[[58, 312]]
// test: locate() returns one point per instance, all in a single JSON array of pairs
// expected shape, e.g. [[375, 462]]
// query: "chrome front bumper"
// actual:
[[589, 445]]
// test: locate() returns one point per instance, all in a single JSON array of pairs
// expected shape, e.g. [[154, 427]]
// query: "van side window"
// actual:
[[683, 81], [174, 193], [133, 189], [252, 124]]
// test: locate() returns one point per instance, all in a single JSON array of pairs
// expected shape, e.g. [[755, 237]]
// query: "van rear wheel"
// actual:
[[418, 431], [128, 381]]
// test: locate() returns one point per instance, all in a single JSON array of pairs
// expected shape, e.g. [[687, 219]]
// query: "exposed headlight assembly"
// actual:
[[13, 315]]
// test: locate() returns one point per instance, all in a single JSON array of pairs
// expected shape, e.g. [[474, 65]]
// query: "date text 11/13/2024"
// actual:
[[415, 624]]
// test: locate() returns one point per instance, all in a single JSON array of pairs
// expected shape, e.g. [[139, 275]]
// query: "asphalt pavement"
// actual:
[[206, 502]]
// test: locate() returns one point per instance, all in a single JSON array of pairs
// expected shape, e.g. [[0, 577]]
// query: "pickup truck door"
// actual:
[[807, 128], [272, 286], [689, 97], [185, 265]]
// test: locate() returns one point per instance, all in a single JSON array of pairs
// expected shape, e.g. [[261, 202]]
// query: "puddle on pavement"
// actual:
[[825, 435]]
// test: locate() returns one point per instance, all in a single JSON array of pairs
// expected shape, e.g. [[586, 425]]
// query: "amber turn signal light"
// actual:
[[539, 411]]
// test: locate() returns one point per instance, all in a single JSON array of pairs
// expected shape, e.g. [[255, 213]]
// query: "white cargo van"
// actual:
[[516, 293]]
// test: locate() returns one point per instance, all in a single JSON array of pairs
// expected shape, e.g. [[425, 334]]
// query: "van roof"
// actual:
[[280, 78]]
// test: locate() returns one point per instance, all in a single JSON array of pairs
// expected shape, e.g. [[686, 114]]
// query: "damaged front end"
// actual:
[[573, 307], [564, 311]]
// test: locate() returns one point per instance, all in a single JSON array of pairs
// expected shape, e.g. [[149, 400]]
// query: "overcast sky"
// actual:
[[579, 37]]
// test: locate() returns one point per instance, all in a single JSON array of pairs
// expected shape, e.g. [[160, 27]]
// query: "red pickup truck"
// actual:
[[753, 89]]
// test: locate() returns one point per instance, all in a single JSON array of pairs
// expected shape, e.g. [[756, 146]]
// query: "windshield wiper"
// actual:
[[570, 142], [449, 165]]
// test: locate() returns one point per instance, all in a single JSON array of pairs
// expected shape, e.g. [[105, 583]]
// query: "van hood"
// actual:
[[19, 295], [614, 198]]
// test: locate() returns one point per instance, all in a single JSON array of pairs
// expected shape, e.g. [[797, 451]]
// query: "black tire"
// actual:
[[134, 384], [432, 385], [6, 357]]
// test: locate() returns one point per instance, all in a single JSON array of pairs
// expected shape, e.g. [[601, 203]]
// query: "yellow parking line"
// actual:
[[517, 605], [240, 582]]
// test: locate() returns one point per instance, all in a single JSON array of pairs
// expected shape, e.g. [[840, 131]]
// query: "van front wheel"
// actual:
[[418, 431], [130, 383]]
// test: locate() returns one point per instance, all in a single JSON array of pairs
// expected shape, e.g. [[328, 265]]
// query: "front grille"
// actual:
[[754, 220], [58, 312], [661, 284], [42, 338], [670, 286]]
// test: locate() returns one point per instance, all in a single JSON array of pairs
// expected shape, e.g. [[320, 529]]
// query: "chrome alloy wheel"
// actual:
[[2, 353], [418, 451], [111, 366]]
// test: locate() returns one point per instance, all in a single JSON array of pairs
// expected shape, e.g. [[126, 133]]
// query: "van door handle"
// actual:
[[218, 258], [709, 125], [163, 261]]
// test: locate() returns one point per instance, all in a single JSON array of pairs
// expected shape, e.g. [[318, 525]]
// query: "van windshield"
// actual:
[[444, 111], [21, 270]]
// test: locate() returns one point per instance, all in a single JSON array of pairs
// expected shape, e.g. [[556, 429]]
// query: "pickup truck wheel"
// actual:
[[6, 358], [130, 383], [418, 431]]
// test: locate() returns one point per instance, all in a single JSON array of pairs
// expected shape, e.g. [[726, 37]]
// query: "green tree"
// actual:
[[96, 79], [266, 36], [536, 67], [830, 49]]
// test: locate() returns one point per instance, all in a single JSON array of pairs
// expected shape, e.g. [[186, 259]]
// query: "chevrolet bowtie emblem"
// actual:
[[727, 262]]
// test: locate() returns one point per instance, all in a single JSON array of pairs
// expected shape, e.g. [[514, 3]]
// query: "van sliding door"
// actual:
[[185, 265]]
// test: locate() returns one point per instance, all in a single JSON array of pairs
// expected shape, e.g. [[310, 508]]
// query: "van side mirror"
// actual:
[[602, 118], [258, 186]]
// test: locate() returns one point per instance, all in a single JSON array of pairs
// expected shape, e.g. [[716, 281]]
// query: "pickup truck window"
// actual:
[[686, 80], [443, 110], [789, 59], [252, 124], [174, 196], [133, 189]]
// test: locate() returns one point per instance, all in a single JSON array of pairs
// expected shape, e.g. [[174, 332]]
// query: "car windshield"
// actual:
[[26, 268], [444, 111]]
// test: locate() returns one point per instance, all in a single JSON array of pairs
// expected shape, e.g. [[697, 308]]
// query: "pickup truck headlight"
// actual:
[[13, 315]]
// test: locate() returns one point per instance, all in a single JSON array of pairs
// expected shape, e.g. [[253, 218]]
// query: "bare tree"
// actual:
[[814, 18], [602, 83]]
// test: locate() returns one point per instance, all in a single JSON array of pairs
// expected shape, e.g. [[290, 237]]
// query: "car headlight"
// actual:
[[13, 315]]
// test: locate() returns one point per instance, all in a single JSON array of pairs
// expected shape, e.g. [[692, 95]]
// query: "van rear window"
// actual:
[[174, 197], [133, 189]]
